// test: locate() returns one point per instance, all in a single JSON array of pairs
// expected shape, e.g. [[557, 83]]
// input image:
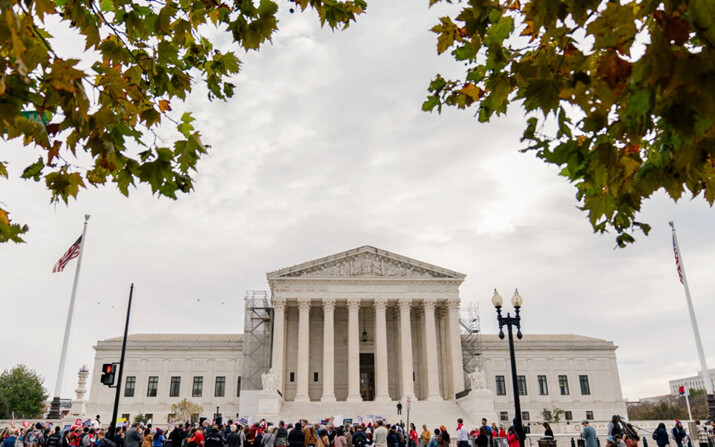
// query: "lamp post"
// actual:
[[510, 321]]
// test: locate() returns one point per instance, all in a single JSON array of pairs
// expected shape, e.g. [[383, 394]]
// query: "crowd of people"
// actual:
[[265, 434], [303, 434]]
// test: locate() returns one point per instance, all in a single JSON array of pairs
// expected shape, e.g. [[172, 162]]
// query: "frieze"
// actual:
[[365, 285], [367, 265]]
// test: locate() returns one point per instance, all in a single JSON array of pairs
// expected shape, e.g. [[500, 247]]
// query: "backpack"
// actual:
[[18, 442], [433, 442], [359, 441], [655, 434]]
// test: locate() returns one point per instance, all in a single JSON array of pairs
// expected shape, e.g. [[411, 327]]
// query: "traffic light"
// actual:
[[108, 372]]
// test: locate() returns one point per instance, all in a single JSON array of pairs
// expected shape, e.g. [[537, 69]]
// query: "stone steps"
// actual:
[[431, 413]]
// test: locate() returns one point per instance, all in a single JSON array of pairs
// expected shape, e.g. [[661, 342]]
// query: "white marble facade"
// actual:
[[408, 309]]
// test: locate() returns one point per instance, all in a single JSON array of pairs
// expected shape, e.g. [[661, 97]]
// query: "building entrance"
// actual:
[[367, 376]]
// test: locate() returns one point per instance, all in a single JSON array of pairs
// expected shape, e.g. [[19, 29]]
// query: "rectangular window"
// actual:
[[149, 417], [521, 385], [568, 415], [503, 416], [543, 386], [292, 377], [198, 388], [238, 387], [152, 386], [315, 377], [170, 418], [129, 386], [501, 386], [125, 416], [524, 415], [564, 385], [589, 415], [220, 388], [175, 387], [585, 389]]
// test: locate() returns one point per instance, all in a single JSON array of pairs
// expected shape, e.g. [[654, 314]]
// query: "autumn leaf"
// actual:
[[164, 105]]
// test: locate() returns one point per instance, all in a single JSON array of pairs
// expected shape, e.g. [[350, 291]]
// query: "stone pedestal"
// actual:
[[269, 404], [479, 404], [79, 403]]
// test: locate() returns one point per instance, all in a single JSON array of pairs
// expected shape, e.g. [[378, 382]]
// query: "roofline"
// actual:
[[277, 274]]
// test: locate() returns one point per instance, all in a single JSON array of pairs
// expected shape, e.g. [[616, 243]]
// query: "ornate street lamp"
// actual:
[[510, 321]]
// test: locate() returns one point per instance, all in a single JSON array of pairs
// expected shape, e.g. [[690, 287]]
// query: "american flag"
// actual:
[[72, 253], [677, 260]]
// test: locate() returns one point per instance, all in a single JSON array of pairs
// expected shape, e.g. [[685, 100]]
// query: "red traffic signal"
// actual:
[[108, 373]]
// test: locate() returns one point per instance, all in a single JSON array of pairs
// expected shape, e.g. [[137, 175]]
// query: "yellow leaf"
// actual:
[[472, 91], [164, 105]]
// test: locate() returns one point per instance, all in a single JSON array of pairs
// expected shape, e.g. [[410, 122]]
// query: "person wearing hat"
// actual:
[[158, 440], [589, 434], [679, 434]]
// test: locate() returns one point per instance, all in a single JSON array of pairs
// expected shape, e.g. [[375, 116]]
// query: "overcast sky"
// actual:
[[324, 149]]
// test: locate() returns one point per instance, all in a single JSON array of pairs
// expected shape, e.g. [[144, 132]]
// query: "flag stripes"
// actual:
[[72, 253], [678, 265]]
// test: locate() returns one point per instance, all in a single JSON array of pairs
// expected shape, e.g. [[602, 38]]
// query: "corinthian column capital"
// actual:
[[304, 304], [353, 304], [380, 304], [279, 303], [405, 304], [428, 304], [328, 304]]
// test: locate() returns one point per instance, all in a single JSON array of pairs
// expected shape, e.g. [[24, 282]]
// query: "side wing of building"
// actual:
[[574, 373], [163, 369]]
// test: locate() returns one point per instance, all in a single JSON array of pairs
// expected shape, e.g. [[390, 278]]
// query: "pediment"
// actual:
[[365, 261]]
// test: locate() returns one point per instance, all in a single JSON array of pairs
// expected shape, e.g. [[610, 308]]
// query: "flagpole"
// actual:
[[687, 402], [696, 332], [55, 406]]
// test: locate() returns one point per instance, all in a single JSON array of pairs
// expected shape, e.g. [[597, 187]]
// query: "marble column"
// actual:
[[354, 350], [303, 372], [278, 355], [454, 344], [406, 368], [381, 390], [328, 350], [431, 350]]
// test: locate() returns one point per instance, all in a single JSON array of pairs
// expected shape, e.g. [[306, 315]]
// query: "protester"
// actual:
[[380, 435], [102, 440], [589, 434], [425, 436], [702, 434], [483, 437], [443, 439], [10, 440], [296, 437], [548, 433], [512, 438], [340, 439], [614, 427], [679, 434], [661, 435]]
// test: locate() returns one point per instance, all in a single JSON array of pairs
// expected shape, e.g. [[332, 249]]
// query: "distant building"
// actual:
[[692, 383]]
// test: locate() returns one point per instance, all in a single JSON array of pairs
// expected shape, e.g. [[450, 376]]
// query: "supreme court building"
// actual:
[[352, 334]]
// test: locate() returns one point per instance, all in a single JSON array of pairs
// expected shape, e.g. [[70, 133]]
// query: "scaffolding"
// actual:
[[258, 329], [470, 332]]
